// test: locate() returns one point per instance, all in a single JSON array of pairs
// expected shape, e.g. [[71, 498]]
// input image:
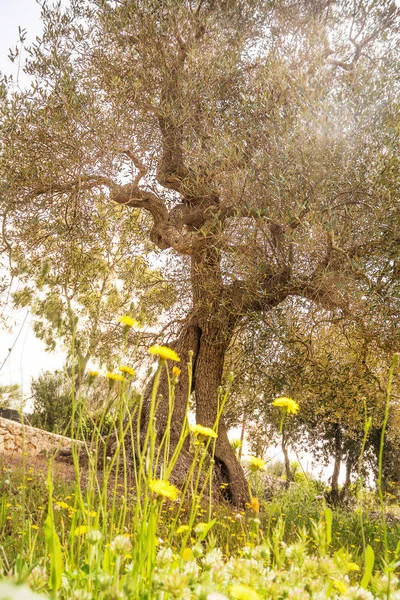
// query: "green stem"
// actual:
[[382, 443]]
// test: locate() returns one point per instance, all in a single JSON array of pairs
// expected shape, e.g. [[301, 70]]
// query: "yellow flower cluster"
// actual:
[[129, 321], [243, 592], [255, 505], [127, 370], [81, 530], [182, 529], [115, 376], [257, 463]]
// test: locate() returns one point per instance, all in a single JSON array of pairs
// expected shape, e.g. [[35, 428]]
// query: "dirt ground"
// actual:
[[62, 470]]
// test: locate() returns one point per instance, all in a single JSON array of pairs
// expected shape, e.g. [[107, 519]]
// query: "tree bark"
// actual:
[[289, 476], [208, 375], [187, 343], [336, 468], [206, 333]]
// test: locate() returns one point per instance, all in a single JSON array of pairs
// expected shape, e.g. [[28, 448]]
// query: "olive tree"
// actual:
[[257, 137]]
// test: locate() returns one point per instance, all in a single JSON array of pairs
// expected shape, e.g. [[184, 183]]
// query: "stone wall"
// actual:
[[15, 437]]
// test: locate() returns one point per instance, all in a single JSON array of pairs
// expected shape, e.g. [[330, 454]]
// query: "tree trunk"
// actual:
[[208, 375], [208, 345], [289, 476], [336, 468], [206, 334], [187, 344], [347, 483]]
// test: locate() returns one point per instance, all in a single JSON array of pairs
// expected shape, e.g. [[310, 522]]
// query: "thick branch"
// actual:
[[84, 182], [360, 46], [165, 233], [133, 196]]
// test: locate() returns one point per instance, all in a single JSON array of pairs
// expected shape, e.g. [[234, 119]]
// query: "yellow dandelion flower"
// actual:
[[164, 488], [115, 376], [255, 505], [128, 370], [81, 530], [129, 321], [256, 463], [34, 527], [176, 371], [182, 529], [187, 554], [288, 404], [93, 373], [164, 352], [243, 592], [62, 504], [205, 431]]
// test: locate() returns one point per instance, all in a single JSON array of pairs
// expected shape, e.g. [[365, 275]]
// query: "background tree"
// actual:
[[52, 402], [335, 370], [263, 137], [10, 395]]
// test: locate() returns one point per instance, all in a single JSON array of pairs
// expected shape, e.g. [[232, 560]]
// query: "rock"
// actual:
[[18, 438]]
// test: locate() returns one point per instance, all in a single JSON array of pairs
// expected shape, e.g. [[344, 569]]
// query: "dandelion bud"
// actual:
[[94, 537], [121, 545], [176, 371], [230, 377], [103, 581]]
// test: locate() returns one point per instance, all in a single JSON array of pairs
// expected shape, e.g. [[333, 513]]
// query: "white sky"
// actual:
[[28, 357]]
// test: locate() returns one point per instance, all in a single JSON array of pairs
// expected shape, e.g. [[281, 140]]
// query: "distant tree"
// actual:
[[52, 402], [335, 371], [259, 138]]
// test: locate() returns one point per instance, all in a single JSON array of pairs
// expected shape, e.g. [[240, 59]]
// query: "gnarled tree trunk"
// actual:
[[208, 375], [206, 333]]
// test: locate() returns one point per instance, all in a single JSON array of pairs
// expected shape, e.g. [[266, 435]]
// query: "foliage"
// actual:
[[76, 281], [9, 395], [331, 368], [139, 536], [52, 402]]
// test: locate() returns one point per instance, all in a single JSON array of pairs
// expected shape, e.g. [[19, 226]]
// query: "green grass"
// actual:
[[113, 533]]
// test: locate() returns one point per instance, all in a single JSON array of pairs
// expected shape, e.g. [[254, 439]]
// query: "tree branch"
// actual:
[[138, 164], [165, 233], [84, 182]]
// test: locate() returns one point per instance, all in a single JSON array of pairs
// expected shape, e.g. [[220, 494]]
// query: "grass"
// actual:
[[121, 532]]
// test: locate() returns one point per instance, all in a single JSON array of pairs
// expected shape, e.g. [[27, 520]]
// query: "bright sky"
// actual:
[[28, 357]]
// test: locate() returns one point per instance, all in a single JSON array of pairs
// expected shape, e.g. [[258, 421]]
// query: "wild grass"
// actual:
[[125, 531]]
